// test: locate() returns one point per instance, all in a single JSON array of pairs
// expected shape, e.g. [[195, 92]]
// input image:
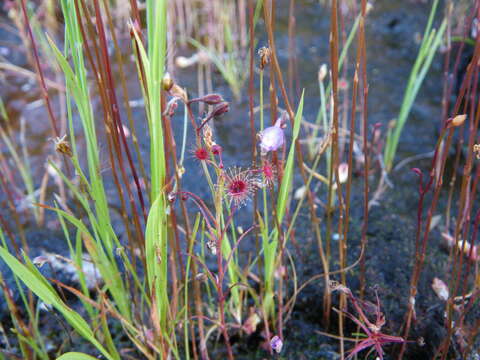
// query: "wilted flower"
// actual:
[[265, 53], [277, 344], [239, 185], [272, 137], [177, 91]]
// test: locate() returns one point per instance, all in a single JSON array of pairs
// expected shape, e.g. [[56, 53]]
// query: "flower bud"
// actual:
[[209, 99], [216, 149], [457, 121], [322, 72], [342, 172], [440, 289], [220, 109], [277, 344], [183, 62], [167, 82]]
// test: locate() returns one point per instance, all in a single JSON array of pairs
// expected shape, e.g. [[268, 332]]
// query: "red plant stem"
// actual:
[[293, 83], [363, 61], [116, 114], [334, 145], [125, 92], [420, 256], [104, 101], [461, 220], [39, 72], [268, 14], [421, 244]]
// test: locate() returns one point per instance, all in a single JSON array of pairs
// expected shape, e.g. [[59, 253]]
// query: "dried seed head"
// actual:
[[265, 54], [208, 136], [63, 146], [177, 91]]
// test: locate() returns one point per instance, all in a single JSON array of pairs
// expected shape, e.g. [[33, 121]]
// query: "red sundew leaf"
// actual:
[[365, 344]]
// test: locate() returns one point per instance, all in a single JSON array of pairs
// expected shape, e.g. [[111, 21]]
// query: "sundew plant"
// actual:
[[238, 179]]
